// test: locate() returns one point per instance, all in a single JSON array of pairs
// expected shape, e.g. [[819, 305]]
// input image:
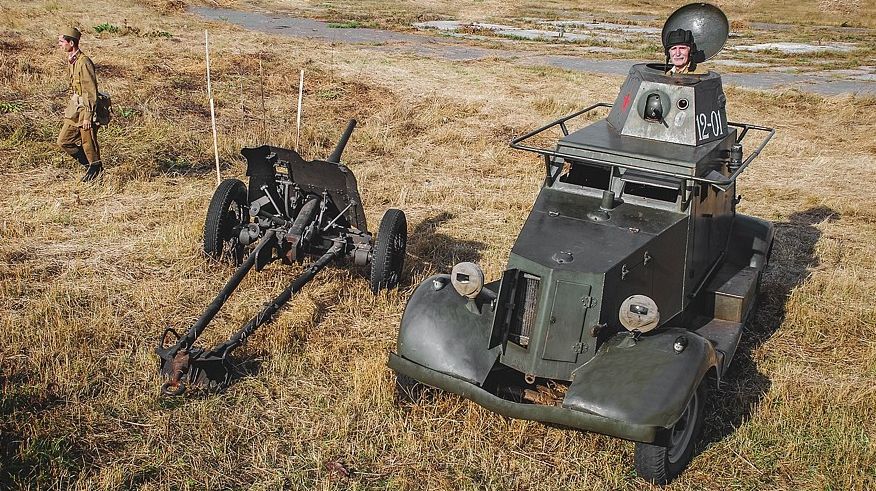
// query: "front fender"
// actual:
[[440, 330], [643, 383]]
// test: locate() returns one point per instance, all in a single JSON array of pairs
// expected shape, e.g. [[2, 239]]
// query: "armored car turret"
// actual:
[[627, 290]]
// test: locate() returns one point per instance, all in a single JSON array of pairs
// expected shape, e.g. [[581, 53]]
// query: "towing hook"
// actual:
[[173, 389], [179, 366]]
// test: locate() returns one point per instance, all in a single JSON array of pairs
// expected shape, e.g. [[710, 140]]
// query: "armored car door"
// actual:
[[566, 322]]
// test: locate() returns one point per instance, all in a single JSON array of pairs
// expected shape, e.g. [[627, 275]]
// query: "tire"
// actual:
[[407, 389], [388, 256], [660, 464], [228, 209]]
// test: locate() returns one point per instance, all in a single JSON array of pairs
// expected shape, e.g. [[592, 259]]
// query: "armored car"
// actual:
[[628, 288]]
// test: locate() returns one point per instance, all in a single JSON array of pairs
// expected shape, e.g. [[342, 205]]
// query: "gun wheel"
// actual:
[[388, 256], [660, 464], [228, 210]]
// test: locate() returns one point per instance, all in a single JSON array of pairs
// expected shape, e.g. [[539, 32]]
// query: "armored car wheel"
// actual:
[[407, 389], [388, 256], [660, 464], [228, 209]]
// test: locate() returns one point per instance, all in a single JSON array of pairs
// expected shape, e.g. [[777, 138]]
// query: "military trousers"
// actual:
[[72, 137]]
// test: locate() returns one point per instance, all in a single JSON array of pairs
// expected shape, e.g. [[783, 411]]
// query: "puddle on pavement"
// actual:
[[861, 80]]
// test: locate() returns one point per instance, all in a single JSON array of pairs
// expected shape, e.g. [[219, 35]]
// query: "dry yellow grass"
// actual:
[[90, 275]]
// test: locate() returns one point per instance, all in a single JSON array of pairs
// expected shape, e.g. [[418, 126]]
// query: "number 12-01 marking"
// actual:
[[709, 124]]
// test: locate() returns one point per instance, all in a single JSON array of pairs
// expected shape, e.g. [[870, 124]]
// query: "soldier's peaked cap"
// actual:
[[679, 36], [71, 32]]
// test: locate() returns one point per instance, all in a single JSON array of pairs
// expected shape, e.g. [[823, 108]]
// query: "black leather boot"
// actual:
[[93, 171], [81, 158]]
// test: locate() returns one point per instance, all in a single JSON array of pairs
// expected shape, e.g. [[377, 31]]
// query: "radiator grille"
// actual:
[[525, 309]]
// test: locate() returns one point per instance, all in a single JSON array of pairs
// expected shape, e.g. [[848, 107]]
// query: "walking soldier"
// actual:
[[78, 136]]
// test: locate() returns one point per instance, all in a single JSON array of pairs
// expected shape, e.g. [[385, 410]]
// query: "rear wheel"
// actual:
[[661, 464], [388, 257], [227, 211]]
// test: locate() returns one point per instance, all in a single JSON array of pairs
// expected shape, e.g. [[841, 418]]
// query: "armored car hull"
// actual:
[[552, 321]]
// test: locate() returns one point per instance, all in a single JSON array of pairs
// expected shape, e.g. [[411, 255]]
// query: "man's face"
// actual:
[[679, 55], [65, 45]]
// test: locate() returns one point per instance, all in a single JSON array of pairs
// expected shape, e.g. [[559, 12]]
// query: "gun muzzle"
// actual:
[[335, 157]]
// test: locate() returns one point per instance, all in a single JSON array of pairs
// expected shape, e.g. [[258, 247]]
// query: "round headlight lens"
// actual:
[[468, 279], [639, 313]]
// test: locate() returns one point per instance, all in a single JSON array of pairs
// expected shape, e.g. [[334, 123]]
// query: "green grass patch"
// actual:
[[329, 94], [107, 27], [127, 112], [48, 452], [7, 107], [158, 34], [347, 24], [175, 164]]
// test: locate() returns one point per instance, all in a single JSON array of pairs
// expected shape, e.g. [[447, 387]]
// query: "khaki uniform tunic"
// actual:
[[79, 109], [686, 70]]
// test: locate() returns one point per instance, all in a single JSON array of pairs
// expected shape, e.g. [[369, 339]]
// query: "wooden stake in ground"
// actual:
[[262, 95], [298, 118], [212, 108]]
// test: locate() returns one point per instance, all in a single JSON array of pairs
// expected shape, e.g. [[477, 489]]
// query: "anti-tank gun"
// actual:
[[629, 286], [292, 210]]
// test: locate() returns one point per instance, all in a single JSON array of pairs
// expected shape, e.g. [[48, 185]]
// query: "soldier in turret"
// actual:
[[78, 135], [680, 51]]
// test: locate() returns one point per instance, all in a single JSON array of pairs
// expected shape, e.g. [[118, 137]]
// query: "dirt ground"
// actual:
[[90, 275]]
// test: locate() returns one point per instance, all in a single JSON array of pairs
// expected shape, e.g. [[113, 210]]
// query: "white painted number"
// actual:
[[716, 123], [711, 124], [701, 124]]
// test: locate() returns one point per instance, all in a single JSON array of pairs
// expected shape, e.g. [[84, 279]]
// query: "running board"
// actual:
[[724, 336]]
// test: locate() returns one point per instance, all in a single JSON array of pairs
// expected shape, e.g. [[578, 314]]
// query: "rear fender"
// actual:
[[645, 382], [750, 242], [443, 331]]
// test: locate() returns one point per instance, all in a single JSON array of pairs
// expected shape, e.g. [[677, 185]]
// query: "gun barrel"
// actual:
[[335, 157]]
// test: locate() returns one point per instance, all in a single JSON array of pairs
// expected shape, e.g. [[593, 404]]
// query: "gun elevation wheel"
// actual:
[[227, 211], [389, 251], [662, 463]]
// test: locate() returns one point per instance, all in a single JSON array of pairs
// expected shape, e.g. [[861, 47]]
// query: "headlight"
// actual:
[[639, 313], [467, 279]]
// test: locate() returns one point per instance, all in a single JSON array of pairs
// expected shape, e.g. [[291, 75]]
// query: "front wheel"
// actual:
[[660, 464], [228, 210], [388, 256], [407, 389]]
